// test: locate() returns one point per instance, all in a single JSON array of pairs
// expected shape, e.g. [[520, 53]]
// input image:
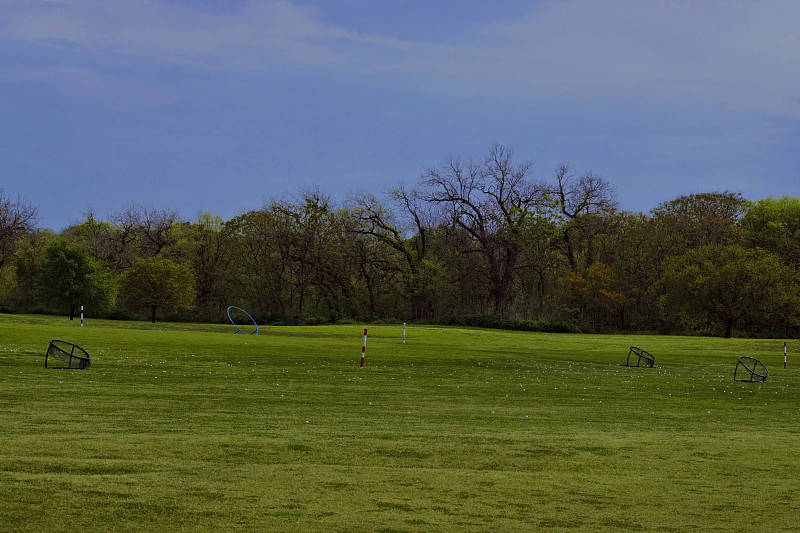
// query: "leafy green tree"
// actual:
[[634, 252], [597, 286], [734, 285], [262, 277], [297, 258], [7, 284], [540, 262], [206, 245], [157, 283], [315, 241], [69, 276], [28, 257], [700, 219], [774, 224]]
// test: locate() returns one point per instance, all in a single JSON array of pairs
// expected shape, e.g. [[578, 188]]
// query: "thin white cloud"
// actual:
[[253, 34], [740, 55], [90, 83], [737, 53]]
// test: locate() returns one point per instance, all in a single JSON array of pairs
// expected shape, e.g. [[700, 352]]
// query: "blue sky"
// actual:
[[220, 105]]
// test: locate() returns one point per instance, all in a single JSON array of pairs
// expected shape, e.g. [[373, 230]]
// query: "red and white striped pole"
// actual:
[[364, 348], [784, 354]]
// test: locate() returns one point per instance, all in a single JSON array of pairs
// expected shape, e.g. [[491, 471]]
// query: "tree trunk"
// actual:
[[499, 290], [71, 311], [729, 327], [153, 308], [540, 294], [421, 307], [573, 263]]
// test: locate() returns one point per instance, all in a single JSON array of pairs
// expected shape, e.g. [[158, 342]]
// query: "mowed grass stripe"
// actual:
[[193, 427]]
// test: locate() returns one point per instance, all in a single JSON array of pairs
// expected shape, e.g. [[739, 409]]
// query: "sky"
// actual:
[[220, 106]]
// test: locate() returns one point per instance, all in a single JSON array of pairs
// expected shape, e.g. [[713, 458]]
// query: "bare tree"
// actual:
[[492, 200], [16, 218], [406, 232], [154, 226], [147, 225], [583, 201]]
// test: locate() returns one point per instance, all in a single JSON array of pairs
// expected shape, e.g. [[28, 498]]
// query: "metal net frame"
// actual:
[[237, 326], [63, 354], [643, 358], [750, 370]]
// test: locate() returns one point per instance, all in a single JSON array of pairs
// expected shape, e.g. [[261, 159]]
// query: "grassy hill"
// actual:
[[191, 427]]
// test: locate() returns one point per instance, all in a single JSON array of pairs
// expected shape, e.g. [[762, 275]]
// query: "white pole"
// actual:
[[404, 332], [81, 316], [784, 354], [364, 348]]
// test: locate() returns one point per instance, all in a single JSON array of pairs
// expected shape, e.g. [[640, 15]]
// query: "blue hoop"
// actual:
[[238, 329]]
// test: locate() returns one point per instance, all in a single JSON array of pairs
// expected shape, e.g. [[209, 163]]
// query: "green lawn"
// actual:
[[192, 428]]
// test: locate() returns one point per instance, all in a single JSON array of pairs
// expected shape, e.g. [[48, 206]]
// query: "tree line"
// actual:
[[477, 242]]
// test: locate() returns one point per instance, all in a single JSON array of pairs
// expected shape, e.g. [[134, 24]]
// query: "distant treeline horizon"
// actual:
[[474, 243]]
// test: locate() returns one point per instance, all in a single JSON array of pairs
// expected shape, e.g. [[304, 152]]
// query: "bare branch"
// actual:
[[16, 218]]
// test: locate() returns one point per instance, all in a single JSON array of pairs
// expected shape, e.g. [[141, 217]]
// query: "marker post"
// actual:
[[784, 354], [364, 348], [82, 318]]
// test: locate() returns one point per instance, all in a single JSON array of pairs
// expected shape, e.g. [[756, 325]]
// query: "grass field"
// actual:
[[187, 427]]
